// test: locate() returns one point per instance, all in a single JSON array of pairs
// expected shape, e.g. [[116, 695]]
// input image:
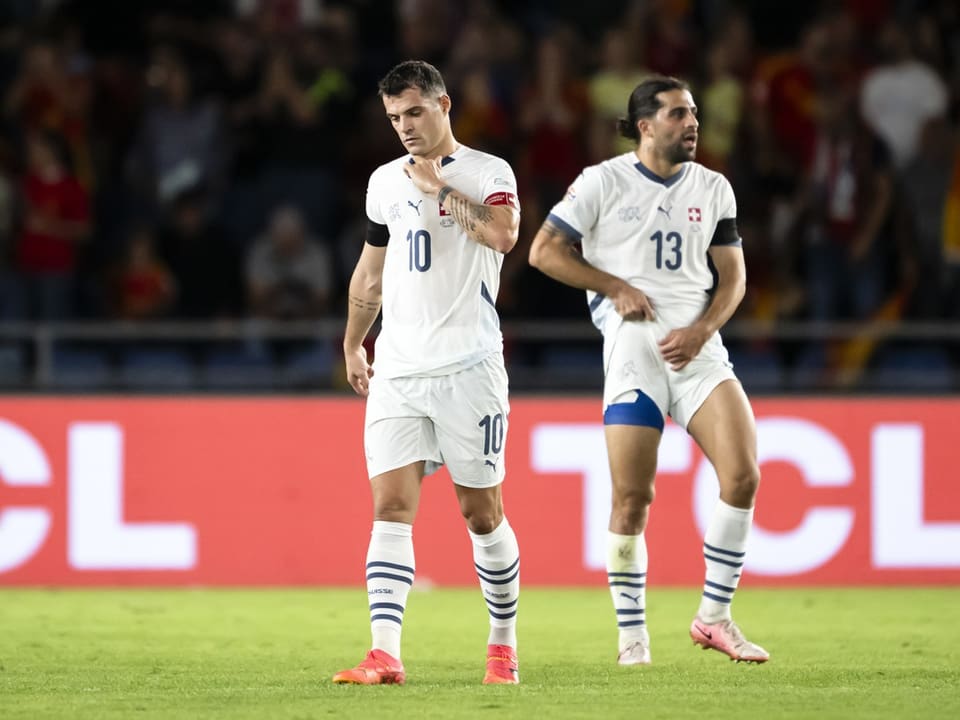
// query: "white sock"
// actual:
[[724, 549], [496, 556], [390, 570], [627, 577]]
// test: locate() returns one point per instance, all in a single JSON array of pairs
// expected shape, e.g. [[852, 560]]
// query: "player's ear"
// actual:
[[445, 103], [643, 127]]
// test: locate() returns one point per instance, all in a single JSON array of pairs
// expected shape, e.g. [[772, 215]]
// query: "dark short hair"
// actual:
[[413, 74], [643, 102]]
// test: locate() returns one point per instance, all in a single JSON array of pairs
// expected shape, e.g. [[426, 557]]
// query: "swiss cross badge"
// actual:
[[693, 214]]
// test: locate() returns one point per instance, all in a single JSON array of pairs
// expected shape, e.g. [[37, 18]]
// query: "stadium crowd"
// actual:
[[179, 159]]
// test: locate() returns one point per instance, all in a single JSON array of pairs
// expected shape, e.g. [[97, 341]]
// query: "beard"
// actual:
[[677, 153]]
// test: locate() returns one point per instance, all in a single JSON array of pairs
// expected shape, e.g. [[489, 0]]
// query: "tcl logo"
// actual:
[[97, 536], [900, 537]]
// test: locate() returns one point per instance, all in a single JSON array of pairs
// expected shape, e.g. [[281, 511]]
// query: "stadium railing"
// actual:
[[542, 356]]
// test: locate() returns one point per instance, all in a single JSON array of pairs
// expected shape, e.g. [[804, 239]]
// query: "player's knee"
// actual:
[[630, 508], [394, 509], [742, 486], [482, 521]]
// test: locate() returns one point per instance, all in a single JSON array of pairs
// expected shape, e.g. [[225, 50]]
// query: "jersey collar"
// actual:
[[666, 182]]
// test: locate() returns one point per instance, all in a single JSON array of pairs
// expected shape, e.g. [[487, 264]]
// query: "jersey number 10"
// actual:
[[418, 250]]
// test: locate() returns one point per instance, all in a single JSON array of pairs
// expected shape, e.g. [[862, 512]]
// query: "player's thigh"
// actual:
[[632, 362], [725, 429], [471, 416], [397, 429], [396, 493], [632, 454]]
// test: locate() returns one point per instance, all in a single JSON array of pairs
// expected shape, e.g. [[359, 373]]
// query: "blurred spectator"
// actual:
[[721, 107], [289, 274], [846, 204], [53, 92], [901, 94], [145, 286], [480, 120], [181, 141], [204, 266], [56, 219], [609, 87]]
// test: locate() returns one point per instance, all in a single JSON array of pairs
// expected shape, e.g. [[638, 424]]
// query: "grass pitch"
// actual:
[[866, 653]]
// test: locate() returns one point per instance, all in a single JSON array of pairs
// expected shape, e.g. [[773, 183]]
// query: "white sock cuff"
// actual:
[[383, 527], [734, 511], [493, 537]]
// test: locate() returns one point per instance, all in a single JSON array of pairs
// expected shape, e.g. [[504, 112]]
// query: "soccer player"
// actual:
[[663, 268], [440, 220]]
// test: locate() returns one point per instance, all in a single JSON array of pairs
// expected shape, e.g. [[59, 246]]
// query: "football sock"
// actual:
[[390, 570], [496, 557], [627, 577], [724, 549]]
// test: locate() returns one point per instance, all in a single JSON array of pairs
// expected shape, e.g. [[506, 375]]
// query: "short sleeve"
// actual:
[[374, 212], [726, 202], [500, 186], [577, 213]]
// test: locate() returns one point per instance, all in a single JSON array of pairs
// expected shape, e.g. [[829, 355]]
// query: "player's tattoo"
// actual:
[[470, 216], [363, 304], [553, 230], [444, 191]]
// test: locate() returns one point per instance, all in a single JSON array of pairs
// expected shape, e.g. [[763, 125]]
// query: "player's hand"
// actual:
[[359, 370], [632, 304], [425, 174], [682, 345]]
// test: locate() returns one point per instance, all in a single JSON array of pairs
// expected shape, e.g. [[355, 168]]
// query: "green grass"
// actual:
[[866, 653]]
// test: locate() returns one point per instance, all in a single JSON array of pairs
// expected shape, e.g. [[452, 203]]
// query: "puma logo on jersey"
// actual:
[[415, 207], [491, 463], [665, 211]]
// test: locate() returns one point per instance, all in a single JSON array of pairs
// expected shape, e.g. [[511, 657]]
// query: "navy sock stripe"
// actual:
[[718, 586], [630, 611], [730, 563], [491, 603], [731, 553], [621, 583], [502, 581], [391, 618], [481, 569], [717, 598], [631, 623], [386, 606], [388, 576], [626, 574], [390, 565], [502, 616]]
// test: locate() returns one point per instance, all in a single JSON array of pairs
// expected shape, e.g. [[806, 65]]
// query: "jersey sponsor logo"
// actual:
[[665, 211], [694, 215], [502, 198], [415, 206]]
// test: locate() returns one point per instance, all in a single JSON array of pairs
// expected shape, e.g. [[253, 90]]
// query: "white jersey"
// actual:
[[652, 232], [439, 286]]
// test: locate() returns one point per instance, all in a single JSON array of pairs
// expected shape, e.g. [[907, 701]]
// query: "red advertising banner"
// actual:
[[273, 491]]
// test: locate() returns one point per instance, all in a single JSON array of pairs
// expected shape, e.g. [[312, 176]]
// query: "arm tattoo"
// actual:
[[553, 231], [469, 216], [363, 304], [444, 191]]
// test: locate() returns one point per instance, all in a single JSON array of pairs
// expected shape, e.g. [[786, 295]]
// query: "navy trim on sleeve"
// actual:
[[377, 234], [726, 233], [565, 227]]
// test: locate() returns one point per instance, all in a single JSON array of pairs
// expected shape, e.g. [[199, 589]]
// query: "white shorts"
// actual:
[[457, 420], [632, 362]]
